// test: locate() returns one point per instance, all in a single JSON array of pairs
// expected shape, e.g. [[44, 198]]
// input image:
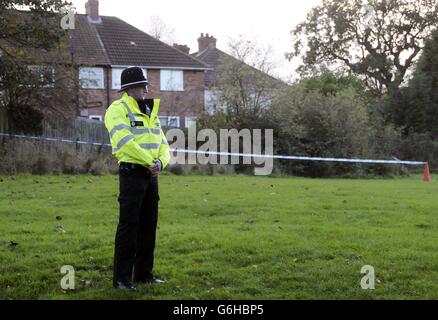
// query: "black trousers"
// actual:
[[136, 231]]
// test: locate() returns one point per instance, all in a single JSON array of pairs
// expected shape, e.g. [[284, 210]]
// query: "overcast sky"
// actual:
[[266, 22]]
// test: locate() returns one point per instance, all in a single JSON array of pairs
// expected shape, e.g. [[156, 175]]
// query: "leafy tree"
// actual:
[[376, 39], [415, 109], [331, 83], [32, 42], [326, 116], [38, 28]]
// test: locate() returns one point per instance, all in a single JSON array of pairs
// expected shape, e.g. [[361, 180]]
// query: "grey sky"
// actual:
[[266, 22]]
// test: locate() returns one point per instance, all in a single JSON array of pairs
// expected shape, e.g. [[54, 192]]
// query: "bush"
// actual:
[[315, 124], [420, 147], [41, 166]]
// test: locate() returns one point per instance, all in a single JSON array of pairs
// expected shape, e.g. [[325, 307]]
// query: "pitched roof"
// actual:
[[111, 43], [114, 42], [214, 57], [85, 43], [124, 45]]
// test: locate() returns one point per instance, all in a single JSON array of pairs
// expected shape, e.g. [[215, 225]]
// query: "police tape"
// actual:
[[232, 154]]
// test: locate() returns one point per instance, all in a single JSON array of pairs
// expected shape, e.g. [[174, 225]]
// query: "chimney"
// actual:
[[182, 47], [205, 42], [92, 11]]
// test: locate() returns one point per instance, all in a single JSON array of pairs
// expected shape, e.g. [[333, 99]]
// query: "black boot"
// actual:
[[124, 286]]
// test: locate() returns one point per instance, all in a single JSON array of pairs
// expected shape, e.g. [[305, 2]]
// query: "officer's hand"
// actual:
[[156, 168]]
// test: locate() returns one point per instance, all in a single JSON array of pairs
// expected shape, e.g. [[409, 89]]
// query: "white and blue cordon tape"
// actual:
[[414, 163]]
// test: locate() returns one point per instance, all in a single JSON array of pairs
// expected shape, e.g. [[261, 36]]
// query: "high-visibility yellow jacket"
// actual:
[[135, 136]]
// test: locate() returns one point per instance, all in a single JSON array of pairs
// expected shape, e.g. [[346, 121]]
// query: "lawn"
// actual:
[[226, 237]]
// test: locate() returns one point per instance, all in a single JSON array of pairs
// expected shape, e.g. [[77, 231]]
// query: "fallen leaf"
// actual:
[[13, 243], [85, 282]]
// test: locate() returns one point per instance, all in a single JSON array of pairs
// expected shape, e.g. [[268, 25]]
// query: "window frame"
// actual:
[[96, 87], [165, 87], [187, 119], [168, 118]]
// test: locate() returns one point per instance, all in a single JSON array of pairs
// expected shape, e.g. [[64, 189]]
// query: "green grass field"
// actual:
[[220, 237]]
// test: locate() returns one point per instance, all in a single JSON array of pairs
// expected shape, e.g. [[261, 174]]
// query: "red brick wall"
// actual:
[[189, 102]]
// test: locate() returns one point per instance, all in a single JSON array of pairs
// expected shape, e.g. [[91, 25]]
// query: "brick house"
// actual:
[[102, 46]]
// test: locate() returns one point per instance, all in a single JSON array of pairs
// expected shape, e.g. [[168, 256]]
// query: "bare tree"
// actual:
[[244, 81], [160, 30]]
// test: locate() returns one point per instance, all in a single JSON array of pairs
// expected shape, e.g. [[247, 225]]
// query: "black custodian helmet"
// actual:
[[133, 77]]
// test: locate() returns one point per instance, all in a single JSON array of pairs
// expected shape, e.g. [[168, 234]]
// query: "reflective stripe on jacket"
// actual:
[[135, 136]]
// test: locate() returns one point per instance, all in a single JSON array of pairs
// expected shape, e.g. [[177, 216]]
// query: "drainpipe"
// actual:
[[107, 88]]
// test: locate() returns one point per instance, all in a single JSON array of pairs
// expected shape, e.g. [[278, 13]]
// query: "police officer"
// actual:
[[142, 151]]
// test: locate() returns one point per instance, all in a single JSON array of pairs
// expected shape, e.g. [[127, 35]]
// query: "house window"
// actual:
[[170, 121], [171, 80], [94, 117], [190, 121], [91, 78], [173, 122], [116, 74], [43, 76], [163, 121]]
